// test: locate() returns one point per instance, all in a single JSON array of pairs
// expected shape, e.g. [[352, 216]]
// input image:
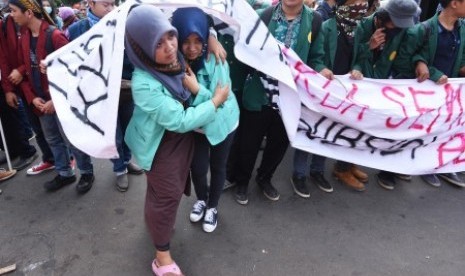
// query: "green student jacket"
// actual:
[[363, 60], [419, 45], [254, 96], [156, 111], [326, 40]]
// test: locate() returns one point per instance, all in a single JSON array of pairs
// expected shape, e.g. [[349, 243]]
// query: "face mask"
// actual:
[[48, 9]]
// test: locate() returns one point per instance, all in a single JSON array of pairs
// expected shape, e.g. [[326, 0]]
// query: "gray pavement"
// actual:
[[414, 230]]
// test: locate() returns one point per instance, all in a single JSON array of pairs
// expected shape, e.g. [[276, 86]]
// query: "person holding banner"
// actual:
[[169, 104], [435, 50], [121, 165], [337, 41], [213, 141], [290, 22], [38, 28], [376, 43], [238, 72]]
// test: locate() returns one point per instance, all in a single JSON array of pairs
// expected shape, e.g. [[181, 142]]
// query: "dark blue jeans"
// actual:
[[24, 119], [216, 157], [47, 155], [300, 163], [124, 116], [61, 147]]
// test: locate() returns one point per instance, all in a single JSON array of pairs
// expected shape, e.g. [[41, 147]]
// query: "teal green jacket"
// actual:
[[254, 96], [326, 40], [156, 111], [363, 60], [419, 46], [227, 115]]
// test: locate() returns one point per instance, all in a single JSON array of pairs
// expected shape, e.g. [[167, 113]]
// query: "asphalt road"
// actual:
[[415, 229]]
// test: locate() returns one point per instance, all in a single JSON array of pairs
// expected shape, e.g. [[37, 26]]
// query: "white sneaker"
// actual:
[[211, 220], [197, 211]]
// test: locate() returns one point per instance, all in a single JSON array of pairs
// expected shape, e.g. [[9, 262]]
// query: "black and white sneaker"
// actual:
[[386, 180], [319, 179], [241, 195], [453, 178], [268, 189], [210, 220], [198, 211], [300, 186], [431, 179]]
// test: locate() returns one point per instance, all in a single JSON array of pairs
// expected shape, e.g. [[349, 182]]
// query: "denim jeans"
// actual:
[[47, 155], [300, 163], [124, 116], [54, 138], [61, 147], [24, 119], [216, 157]]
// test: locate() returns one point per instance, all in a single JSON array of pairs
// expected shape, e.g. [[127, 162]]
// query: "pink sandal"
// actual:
[[166, 270]]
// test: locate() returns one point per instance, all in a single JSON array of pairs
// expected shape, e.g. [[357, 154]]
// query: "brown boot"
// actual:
[[359, 174], [349, 180]]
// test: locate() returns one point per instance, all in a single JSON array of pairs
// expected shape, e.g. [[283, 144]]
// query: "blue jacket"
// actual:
[[156, 111], [227, 116]]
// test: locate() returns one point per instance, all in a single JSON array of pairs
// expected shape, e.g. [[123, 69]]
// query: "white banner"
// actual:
[[394, 125], [85, 75]]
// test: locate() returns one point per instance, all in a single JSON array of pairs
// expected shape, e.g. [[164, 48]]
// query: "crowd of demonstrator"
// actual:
[[187, 109]]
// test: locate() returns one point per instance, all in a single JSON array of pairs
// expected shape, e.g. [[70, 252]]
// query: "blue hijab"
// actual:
[[145, 26], [192, 21]]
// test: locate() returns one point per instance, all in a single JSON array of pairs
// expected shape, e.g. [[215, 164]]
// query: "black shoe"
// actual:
[[23, 162], [241, 195], [268, 190], [321, 182], [58, 182], [453, 178], [134, 169], [300, 186], [386, 180], [431, 179], [85, 183]]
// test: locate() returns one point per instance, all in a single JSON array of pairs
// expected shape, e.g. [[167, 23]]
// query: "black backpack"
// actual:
[[49, 39]]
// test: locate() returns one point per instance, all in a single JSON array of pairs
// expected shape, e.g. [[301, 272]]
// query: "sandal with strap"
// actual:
[[166, 270]]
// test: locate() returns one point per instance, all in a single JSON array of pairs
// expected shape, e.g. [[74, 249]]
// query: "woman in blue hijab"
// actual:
[[212, 141]]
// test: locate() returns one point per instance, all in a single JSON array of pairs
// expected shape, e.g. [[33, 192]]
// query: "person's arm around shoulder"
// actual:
[[151, 97]]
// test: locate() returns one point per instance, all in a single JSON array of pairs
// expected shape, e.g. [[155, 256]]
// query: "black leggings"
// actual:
[[215, 156]]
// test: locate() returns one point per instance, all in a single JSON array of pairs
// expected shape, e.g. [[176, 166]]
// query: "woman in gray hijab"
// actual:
[[159, 133]]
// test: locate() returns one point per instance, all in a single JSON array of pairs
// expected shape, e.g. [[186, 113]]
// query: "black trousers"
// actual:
[[15, 136], [255, 125], [215, 157]]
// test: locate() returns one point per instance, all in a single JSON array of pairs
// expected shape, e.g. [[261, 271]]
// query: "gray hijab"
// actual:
[[145, 26]]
